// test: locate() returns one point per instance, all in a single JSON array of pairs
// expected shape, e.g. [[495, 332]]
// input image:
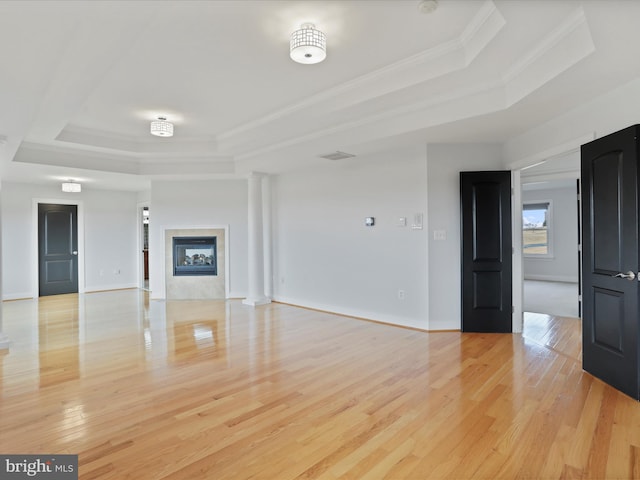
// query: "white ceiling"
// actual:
[[81, 80]]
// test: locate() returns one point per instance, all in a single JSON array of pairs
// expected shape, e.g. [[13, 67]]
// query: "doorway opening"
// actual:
[[551, 300], [65, 263], [144, 219]]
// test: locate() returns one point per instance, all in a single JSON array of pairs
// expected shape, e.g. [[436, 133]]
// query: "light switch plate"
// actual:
[[439, 235], [417, 221]]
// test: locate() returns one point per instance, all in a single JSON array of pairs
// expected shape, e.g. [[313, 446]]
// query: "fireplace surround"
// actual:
[[197, 286]]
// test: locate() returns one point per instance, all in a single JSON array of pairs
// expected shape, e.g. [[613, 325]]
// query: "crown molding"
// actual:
[[576, 19], [44, 154], [563, 47], [194, 169], [460, 104], [135, 146], [55, 155], [481, 30]]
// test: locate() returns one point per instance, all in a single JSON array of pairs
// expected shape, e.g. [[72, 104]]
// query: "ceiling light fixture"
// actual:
[[427, 6], [308, 45], [337, 155], [162, 128], [71, 187]]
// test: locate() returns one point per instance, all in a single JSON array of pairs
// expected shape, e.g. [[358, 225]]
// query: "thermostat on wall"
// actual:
[[370, 221]]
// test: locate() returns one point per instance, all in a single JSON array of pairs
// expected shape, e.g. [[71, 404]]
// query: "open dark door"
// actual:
[[609, 169], [486, 251], [58, 248], [579, 250]]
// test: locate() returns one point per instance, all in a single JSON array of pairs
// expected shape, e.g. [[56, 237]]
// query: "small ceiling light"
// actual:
[[71, 187], [337, 155], [427, 6], [162, 128], [308, 45]]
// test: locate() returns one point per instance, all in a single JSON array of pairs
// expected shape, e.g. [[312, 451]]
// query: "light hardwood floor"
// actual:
[[218, 390]]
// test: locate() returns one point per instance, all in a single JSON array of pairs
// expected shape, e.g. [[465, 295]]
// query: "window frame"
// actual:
[[550, 229]]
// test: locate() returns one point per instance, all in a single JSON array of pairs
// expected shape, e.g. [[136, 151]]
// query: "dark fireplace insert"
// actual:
[[194, 256]]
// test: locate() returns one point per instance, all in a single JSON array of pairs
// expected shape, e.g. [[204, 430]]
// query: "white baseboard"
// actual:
[[17, 296], [115, 286], [552, 278], [231, 296], [440, 325], [420, 324], [28, 295]]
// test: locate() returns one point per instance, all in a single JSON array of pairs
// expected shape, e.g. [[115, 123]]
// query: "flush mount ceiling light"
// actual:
[[162, 128], [308, 45], [71, 187], [427, 6], [337, 155]]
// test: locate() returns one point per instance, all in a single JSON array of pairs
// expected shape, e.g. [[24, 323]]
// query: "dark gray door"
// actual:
[[58, 248], [609, 168], [486, 251], [579, 251]]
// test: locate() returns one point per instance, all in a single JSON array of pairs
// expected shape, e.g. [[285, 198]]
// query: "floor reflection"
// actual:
[[560, 334], [58, 339], [198, 329]]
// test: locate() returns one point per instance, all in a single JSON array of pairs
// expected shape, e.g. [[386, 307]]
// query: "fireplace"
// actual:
[[194, 256]]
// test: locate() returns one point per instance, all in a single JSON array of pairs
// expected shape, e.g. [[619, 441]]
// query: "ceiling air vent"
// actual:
[[337, 155]]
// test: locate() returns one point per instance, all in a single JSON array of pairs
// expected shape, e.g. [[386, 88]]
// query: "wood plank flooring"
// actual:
[[217, 390], [561, 334]]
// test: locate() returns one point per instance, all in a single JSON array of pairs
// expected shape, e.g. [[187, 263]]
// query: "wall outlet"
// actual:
[[401, 295]]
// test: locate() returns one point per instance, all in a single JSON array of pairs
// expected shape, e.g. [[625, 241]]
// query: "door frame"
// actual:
[[485, 195], [140, 208], [35, 289], [516, 168]]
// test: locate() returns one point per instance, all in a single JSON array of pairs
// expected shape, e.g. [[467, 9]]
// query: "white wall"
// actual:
[[110, 237], [324, 255], [563, 265], [193, 204], [444, 164]]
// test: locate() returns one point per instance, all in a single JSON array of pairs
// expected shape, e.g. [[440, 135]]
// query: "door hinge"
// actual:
[[513, 310]]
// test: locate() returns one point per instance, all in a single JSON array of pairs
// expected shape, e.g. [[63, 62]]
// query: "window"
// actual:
[[536, 229]]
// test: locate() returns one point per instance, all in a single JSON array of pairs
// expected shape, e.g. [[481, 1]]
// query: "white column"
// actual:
[[4, 340], [267, 233], [256, 244]]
